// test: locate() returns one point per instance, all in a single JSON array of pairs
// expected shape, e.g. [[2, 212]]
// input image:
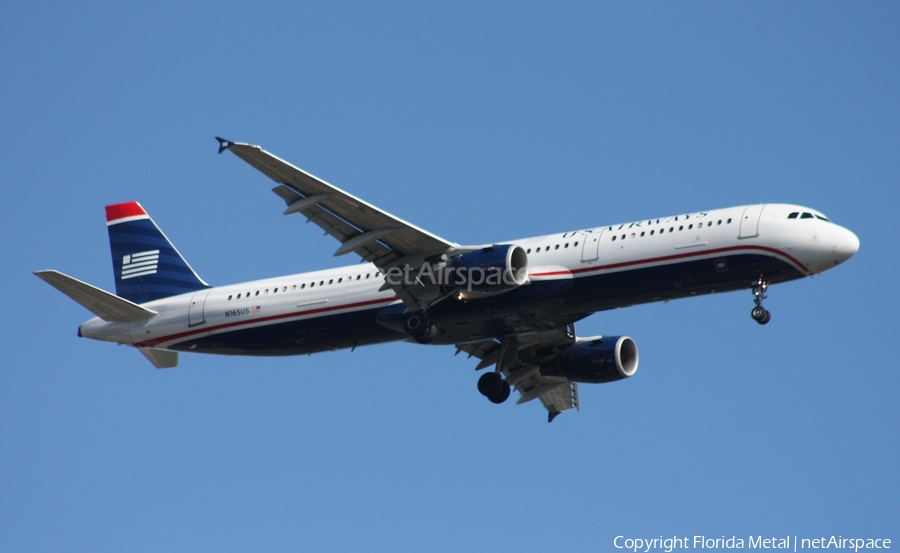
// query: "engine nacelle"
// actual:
[[603, 359], [491, 269]]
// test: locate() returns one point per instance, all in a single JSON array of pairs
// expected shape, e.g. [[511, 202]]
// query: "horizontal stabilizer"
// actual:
[[109, 307], [161, 359]]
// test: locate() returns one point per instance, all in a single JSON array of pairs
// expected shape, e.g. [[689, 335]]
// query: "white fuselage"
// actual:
[[806, 244]]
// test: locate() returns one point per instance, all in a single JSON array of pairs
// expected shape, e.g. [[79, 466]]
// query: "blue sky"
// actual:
[[478, 121]]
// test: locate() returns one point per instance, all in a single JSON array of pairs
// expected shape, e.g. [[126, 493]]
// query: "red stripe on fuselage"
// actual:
[[121, 211], [157, 341], [798, 265]]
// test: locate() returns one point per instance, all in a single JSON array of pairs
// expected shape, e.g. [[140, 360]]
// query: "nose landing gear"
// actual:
[[759, 313]]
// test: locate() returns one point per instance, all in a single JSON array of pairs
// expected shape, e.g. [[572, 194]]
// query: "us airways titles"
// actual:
[[649, 222]]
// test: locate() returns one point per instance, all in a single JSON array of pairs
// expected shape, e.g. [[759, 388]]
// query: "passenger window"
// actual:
[[303, 286], [556, 247], [321, 283], [229, 297], [330, 281], [632, 235], [340, 280], [614, 239], [651, 232], [623, 237], [642, 234], [294, 287], [312, 284], [709, 224], [729, 221], [567, 245], [575, 244], [671, 229], [690, 227], [274, 290], [720, 222]]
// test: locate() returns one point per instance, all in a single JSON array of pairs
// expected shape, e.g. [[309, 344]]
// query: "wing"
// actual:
[[520, 358], [373, 234]]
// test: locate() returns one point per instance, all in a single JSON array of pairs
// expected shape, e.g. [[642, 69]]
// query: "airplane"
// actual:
[[513, 305]]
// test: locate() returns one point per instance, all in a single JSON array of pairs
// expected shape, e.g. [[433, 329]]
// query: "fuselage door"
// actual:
[[195, 310], [590, 250], [750, 221]]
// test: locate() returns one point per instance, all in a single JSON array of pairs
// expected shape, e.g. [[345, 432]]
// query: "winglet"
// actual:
[[224, 144]]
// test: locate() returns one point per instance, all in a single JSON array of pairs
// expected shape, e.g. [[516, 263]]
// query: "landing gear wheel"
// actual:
[[492, 386], [761, 315], [503, 395], [420, 328]]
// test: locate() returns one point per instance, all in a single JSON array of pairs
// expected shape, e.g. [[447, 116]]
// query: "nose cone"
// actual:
[[846, 247]]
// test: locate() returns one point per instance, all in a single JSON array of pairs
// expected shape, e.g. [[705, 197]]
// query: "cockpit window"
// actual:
[[822, 218], [793, 215], [806, 215]]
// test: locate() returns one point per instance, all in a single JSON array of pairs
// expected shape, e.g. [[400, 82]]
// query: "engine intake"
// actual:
[[604, 359], [490, 269]]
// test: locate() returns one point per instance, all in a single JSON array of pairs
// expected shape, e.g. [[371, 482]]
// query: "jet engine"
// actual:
[[597, 360], [492, 269]]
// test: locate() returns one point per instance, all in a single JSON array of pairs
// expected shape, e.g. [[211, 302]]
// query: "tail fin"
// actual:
[[147, 266]]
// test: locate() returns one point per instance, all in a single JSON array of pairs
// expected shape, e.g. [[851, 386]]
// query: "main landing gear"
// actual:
[[420, 328], [759, 313], [492, 386]]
